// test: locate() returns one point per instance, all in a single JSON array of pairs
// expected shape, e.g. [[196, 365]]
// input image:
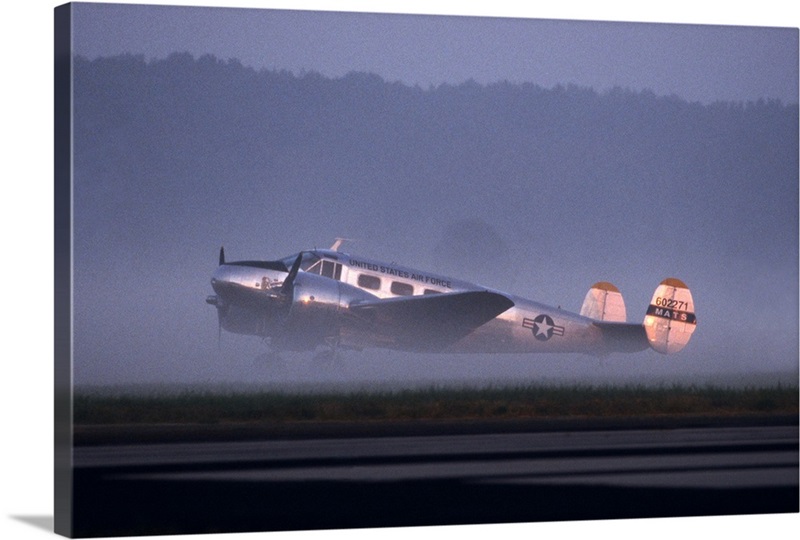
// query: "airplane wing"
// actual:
[[432, 322]]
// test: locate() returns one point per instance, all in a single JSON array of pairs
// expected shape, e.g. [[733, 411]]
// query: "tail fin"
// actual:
[[604, 302], [670, 318]]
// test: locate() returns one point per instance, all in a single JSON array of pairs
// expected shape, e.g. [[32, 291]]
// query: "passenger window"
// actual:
[[402, 289], [431, 291], [369, 282]]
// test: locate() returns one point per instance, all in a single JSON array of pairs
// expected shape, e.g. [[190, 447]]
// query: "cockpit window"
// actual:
[[314, 264], [314, 268], [331, 270], [308, 260]]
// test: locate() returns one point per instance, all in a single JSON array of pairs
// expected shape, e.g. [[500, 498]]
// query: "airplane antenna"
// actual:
[[339, 241]]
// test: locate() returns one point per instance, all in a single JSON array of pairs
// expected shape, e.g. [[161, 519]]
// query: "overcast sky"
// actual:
[[697, 62]]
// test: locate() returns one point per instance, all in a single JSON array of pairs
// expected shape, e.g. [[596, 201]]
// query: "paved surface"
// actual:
[[430, 480]]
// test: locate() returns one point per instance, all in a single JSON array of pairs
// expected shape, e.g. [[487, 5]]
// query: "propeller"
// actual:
[[287, 289], [219, 331], [221, 311], [216, 304], [284, 296]]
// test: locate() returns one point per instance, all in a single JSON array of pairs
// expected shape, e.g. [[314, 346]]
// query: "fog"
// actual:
[[536, 191]]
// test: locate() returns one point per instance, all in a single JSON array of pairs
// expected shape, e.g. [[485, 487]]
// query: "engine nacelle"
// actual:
[[316, 311]]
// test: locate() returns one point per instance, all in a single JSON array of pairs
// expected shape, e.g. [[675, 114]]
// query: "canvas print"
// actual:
[[325, 270]]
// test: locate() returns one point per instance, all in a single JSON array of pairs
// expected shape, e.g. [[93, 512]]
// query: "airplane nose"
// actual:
[[221, 280], [237, 284]]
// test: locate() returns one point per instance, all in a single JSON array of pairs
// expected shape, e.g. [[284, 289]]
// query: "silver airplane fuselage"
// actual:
[[340, 300]]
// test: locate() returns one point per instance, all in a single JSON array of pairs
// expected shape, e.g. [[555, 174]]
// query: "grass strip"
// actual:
[[199, 406]]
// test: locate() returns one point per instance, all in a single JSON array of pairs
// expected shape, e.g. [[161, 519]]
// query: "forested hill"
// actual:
[[210, 137]]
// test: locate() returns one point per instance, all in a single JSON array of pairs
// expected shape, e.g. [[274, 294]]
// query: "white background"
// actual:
[[26, 210]]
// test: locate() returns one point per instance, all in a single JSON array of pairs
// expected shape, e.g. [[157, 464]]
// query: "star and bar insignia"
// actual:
[[543, 327]]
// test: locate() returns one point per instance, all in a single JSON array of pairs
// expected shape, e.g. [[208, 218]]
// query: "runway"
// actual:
[[433, 479]]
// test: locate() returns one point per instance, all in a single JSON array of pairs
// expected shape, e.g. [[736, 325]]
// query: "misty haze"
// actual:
[[537, 192]]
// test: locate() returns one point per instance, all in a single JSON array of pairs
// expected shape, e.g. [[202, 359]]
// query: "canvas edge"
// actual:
[[62, 208]]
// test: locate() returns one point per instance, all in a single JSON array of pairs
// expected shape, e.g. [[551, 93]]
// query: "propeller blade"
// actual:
[[221, 256], [222, 311], [288, 283], [219, 331]]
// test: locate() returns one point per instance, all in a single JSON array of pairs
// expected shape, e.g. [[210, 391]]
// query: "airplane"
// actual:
[[331, 299]]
